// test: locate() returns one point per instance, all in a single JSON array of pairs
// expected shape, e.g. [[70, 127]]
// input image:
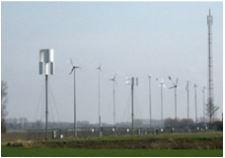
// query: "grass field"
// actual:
[[206, 144], [20, 151]]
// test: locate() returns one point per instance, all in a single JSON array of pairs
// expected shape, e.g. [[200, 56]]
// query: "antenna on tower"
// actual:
[[211, 108], [73, 70]]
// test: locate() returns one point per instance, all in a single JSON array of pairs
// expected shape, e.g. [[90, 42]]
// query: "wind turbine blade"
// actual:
[[136, 81], [99, 67], [71, 71], [71, 61], [77, 67], [171, 87]]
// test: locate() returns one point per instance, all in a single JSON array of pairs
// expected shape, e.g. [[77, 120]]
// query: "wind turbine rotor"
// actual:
[[99, 68], [72, 70]]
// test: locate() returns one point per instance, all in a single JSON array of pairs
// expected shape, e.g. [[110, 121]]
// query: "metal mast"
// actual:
[[161, 87], [161, 84], [150, 103], [113, 79], [188, 101], [175, 94], [132, 83], [99, 100], [210, 65], [73, 70], [46, 59], [196, 115], [132, 104], [203, 103], [46, 107], [75, 107]]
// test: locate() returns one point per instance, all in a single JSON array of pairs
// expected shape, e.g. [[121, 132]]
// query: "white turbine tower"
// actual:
[[99, 68], [132, 81], [73, 70], [150, 102], [188, 100], [174, 86], [203, 103], [113, 79], [196, 103], [162, 85]]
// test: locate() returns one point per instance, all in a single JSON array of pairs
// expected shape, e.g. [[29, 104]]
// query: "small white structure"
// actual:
[[46, 59]]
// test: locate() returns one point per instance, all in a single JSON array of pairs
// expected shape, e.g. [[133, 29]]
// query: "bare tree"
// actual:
[[4, 93], [211, 111]]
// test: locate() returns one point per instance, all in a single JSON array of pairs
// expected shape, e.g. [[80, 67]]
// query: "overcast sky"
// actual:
[[127, 38]]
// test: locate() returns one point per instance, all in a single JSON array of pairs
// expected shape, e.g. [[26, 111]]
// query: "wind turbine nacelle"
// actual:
[[46, 59]]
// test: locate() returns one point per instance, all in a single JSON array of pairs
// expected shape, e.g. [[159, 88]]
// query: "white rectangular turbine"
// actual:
[[46, 59]]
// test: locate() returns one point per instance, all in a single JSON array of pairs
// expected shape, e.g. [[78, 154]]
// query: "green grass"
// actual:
[[20, 151], [193, 136]]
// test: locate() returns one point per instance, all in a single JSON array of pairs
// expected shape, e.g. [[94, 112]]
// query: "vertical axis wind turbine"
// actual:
[[73, 70], [210, 66], [196, 112], [113, 79], [46, 58], [99, 68], [175, 93], [150, 102]]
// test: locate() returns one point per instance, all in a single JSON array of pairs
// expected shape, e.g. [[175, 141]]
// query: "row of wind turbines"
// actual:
[[133, 81]]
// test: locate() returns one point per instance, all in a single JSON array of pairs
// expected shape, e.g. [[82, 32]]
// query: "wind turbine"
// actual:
[[150, 102], [73, 70], [113, 79], [174, 86], [195, 97], [203, 102], [46, 67], [188, 101], [162, 85], [132, 81], [99, 69]]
